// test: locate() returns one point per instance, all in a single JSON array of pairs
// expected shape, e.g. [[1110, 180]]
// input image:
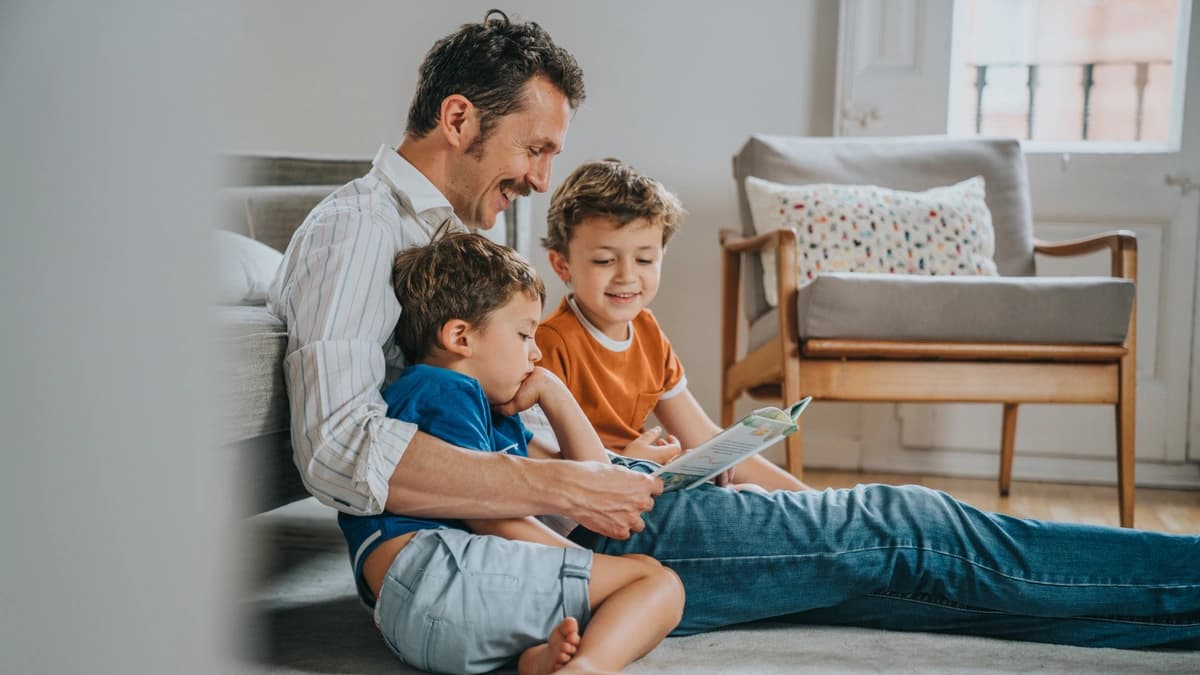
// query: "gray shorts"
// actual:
[[456, 602]]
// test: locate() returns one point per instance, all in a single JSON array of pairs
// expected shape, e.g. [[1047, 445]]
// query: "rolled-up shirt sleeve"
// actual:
[[335, 295]]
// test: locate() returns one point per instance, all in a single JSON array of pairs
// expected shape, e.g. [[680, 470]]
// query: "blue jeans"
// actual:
[[911, 558]]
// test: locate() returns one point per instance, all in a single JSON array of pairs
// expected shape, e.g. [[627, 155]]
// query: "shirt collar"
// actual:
[[408, 183]]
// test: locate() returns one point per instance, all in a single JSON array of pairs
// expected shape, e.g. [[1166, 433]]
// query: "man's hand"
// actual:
[[607, 499]]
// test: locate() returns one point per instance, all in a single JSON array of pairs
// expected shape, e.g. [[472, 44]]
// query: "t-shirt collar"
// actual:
[[410, 185], [599, 335]]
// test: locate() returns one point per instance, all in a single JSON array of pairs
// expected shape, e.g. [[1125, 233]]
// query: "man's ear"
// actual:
[[455, 337], [558, 263], [459, 121]]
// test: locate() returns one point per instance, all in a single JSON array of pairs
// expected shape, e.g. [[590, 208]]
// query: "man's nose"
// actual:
[[539, 173]]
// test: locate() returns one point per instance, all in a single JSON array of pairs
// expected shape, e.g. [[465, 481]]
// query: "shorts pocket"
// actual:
[[447, 648], [404, 636]]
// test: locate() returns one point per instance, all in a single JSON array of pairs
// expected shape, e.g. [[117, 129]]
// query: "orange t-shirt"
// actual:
[[617, 383]]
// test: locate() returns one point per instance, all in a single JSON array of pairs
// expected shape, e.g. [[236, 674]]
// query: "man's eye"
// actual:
[[535, 152]]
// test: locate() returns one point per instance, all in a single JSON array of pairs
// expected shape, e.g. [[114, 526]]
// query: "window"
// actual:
[[1066, 70]]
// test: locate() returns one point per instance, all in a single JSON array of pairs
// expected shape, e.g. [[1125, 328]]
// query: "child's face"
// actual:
[[502, 349], [613, 271]]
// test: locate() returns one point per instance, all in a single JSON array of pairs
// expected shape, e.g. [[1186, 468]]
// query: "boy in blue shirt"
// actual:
[[447, 596]]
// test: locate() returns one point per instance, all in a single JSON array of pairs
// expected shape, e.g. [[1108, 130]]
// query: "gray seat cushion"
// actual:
[[254, 400], [1031, 310]]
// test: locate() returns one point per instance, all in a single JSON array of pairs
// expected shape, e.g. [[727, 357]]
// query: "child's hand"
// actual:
[[653, 446], [538, 384]]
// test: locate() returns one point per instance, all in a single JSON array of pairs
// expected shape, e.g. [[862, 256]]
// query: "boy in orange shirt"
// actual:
[[607, 231]]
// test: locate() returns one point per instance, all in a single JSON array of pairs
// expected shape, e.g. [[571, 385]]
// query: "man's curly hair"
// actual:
[[489, 63]]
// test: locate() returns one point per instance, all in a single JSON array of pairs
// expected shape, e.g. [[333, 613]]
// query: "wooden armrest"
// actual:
[[734, 242], [1115, 241], [1122, 244]]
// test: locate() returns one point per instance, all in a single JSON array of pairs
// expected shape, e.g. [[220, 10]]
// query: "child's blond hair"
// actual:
[[612, 189]]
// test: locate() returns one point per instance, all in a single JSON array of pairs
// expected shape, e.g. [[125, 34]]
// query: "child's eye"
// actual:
[[607, 261], [525, 336], [645, 262]]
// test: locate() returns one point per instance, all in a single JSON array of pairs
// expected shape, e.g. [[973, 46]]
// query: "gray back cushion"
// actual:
[[905, 163]]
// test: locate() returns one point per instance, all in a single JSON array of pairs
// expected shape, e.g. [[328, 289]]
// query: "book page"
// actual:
[[748, 436]]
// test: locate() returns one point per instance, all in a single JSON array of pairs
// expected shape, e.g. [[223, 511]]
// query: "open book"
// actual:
[[748, 436]]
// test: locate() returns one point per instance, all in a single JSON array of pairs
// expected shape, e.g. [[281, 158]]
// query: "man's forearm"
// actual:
[[436, 479]]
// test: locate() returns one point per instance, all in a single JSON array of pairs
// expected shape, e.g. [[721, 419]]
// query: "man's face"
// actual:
[[514, 159]]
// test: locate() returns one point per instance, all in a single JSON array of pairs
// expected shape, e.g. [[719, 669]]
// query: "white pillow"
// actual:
[[245, 268], [864, 228]]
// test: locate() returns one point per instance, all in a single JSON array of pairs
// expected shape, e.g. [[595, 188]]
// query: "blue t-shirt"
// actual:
[[450, 406]]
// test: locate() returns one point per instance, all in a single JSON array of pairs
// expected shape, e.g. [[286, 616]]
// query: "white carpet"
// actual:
[[305, 618]]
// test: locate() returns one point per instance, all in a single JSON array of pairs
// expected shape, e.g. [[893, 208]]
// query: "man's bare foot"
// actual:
[[554, 653]]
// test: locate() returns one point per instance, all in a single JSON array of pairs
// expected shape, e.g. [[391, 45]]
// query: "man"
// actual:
[[491, 110]]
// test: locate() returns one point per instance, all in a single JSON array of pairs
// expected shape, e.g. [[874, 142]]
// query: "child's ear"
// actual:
[[455, 337], [558, 263], [458, 121]]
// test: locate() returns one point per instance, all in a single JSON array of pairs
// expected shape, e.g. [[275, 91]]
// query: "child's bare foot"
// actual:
[[553, 654]]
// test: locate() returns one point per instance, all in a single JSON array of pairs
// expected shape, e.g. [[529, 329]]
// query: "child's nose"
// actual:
[[625, 269], [535, 354]]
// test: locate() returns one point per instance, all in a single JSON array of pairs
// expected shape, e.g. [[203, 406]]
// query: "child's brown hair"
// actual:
[[458, 275], [612, 189]]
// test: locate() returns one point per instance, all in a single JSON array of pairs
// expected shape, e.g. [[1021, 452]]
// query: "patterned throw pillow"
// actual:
[[864, 228]]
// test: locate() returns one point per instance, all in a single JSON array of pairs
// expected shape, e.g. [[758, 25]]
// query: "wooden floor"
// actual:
[[1161, 510]]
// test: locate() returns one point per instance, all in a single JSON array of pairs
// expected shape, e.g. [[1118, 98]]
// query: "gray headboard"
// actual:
[[267, 197]]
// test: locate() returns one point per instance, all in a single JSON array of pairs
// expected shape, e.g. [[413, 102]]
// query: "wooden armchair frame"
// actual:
[[787, 368]]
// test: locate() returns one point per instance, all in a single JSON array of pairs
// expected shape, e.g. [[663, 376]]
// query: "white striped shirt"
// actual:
[[333, 290]]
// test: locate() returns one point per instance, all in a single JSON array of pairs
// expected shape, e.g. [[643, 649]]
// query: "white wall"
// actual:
[[114, 509], [674, 87]]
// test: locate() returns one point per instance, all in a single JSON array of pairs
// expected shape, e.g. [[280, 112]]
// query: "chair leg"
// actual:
[[1008, 438], [1125, 444]]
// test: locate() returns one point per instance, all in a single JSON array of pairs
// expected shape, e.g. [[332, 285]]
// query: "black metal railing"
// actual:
[[1087, 84]]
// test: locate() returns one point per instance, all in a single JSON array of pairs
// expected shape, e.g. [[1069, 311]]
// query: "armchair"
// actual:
[[1009, 339]]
